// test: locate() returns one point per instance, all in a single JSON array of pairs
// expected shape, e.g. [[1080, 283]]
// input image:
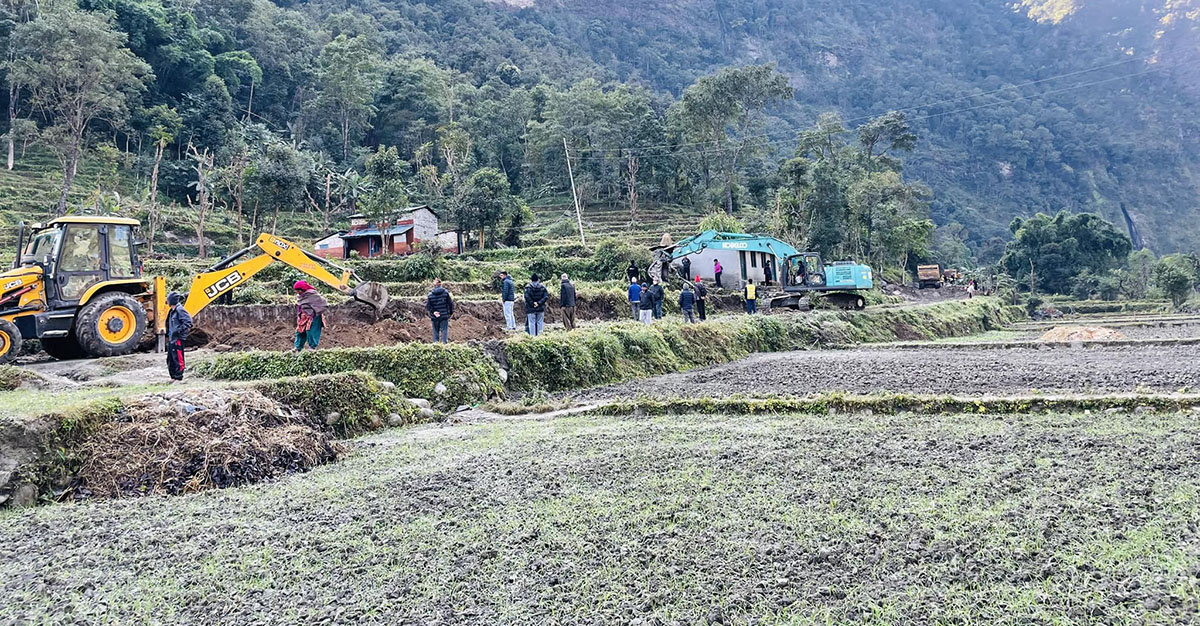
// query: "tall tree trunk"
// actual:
[[632, 172], [69, 171], [12, 118], [152, 213]]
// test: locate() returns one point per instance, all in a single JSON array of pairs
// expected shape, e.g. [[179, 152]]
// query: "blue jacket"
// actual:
[[508, 293], [687, 299], [635, 292]]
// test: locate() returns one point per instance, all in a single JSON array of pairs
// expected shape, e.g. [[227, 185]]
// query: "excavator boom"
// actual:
[[231, 272]]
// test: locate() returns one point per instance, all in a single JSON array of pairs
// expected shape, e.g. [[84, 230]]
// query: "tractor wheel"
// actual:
[[10, 341], [860, 303], [62, 348], [110, 325]]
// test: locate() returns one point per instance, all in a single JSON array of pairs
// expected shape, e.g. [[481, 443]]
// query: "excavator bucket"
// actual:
[[374, 294]]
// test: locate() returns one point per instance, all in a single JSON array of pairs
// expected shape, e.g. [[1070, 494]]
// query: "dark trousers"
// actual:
[[700, 310], [752, 306], [658, 309], [568, 315], [718, 278], [175, 359], [441, 329]]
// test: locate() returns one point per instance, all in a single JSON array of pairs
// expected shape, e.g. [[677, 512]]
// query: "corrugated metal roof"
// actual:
[[374, 232], [711, 239]]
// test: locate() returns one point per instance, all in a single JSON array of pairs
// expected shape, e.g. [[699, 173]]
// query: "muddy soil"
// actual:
[[932, 370], [678, 520]]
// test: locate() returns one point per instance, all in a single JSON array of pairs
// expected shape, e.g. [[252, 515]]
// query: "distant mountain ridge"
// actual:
[[1109, 118]]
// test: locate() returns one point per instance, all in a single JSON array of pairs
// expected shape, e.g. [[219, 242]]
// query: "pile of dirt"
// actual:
[[1062, 334], [187, 441]]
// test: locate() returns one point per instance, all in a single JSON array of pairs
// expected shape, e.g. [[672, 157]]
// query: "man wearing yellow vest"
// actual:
[[751, 297]]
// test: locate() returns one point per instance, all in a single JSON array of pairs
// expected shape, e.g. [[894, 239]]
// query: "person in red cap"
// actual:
[[310, 315]]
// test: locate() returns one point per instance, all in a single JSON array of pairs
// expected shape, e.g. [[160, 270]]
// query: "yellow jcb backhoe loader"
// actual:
[[77, 286]]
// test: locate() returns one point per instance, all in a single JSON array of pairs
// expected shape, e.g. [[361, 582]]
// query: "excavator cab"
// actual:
[[77, 286]]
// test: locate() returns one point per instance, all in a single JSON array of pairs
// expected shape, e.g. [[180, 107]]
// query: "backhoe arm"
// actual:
[[224, 276]]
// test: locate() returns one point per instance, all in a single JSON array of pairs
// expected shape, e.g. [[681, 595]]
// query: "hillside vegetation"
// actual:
[[238, 116]]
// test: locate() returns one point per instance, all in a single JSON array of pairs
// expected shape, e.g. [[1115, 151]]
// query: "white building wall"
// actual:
[[425, 224]]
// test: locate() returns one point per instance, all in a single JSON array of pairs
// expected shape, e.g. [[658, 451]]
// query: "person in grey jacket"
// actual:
[[566, 301], [179, 326]]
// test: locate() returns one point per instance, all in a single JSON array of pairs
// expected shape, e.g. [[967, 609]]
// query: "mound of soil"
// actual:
[[1080, 333], [197, 439]]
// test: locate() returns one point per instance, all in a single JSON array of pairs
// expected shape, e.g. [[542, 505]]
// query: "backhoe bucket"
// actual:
[[374, 294]]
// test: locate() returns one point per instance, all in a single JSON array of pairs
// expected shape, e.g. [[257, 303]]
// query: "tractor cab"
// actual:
[[76, 254]]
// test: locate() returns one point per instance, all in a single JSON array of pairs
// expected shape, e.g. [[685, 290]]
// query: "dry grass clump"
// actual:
[[1081, 333], [187, 441]]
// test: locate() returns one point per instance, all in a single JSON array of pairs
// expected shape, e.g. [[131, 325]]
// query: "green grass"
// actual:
[[793, 519]]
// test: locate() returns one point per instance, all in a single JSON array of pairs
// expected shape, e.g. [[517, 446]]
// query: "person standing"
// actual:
[[632, 272], [179, 326], [566, 300], [687, 303], [535, 305], [310, 315], [768, 271], [717, 269], [440, 307], [635, 295], [657, 296], [701, 298], [686, 266], [508, 295], [751, 297], [646, 307]]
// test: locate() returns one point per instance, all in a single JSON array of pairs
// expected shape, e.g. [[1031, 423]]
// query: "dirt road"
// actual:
[[932, 370]]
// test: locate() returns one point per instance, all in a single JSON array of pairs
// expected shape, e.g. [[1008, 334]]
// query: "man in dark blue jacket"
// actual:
[[687, 303], [440, 306], [508, 295], [536, 296], [179, 326]]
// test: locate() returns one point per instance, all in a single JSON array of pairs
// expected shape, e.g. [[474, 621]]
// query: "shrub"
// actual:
[[613, 256], [468, 374]]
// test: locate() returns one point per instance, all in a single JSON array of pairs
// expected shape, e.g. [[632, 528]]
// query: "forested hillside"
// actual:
[[228, 114]]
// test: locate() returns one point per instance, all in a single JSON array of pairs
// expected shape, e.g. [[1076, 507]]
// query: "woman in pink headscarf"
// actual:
[[310, 315]]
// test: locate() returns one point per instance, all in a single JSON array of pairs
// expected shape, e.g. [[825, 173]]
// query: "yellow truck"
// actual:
[[929, 276], [77, 286]]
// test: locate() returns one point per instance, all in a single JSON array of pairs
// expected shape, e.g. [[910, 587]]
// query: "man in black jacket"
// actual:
[[566, 300], [701, 298], [179, 326], [657, 293], [535, 305], [632, 271], [440, 307]]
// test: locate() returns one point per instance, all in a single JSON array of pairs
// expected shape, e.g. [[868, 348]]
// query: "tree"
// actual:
[[482, 201], [722, 222], [1060, 247], [1176, 276], [165, 124], [347, 80], [389, 195], [202, 206], [278, 178], [78, 71], [724, 112]]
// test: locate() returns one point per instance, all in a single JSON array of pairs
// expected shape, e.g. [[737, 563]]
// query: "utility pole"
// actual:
[[574, 193]]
